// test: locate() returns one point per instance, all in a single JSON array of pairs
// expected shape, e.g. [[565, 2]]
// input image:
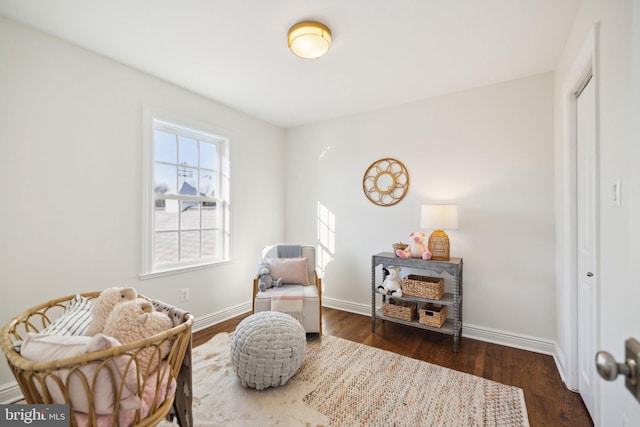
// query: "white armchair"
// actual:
[[312, 293]]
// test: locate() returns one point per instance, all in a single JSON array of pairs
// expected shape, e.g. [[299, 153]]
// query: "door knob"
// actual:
[[589, 274], [609, 369]]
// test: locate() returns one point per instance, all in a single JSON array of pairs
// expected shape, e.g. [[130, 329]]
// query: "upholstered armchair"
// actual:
[[296, 266]]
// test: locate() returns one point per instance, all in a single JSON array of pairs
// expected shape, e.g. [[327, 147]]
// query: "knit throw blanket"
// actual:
[[289, 251], [288, 299]]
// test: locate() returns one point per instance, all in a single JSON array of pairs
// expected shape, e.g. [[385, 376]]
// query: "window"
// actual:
[[186, 196]]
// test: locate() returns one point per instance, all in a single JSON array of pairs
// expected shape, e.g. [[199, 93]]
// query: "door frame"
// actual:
[[585, 64]]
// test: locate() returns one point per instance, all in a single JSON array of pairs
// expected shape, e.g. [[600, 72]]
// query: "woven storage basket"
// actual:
[[404, 310], [32, 375], [423, 286], [400, 245], [433, 315]]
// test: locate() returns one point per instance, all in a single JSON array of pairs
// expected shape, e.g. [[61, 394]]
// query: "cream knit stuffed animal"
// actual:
[[135, 320], [104, 304]]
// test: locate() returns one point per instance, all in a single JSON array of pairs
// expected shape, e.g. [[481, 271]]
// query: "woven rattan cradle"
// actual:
[[30, 375]]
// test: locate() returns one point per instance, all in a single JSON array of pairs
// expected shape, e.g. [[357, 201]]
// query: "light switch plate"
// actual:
[[616, 192]]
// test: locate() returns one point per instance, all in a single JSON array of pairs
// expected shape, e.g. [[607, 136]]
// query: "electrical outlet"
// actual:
[[184, 294]]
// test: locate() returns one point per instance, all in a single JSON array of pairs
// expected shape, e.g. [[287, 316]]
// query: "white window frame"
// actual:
[[153, 117]]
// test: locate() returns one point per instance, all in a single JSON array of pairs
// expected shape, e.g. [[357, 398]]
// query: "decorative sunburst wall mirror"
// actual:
[[386, 182]]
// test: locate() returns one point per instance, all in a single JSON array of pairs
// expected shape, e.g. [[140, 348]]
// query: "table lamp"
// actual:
[[439, 218]]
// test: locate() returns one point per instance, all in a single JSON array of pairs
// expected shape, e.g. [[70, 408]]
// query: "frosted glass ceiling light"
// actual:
[[309, 39]]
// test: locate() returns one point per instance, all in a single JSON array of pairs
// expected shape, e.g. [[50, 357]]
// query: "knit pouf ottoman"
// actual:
[[267, 349]]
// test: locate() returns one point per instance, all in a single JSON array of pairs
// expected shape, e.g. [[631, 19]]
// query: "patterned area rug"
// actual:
[[345, 384], [359, 385]]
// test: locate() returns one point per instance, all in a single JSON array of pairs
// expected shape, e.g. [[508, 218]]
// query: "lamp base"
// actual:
[[439, 246]]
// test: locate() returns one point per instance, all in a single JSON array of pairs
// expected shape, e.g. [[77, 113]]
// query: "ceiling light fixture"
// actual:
[[309, 39]]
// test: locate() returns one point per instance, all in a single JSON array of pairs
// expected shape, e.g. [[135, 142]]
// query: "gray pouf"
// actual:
[[267, 349]]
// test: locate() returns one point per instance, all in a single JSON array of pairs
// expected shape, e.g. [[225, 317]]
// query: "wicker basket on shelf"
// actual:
[[423, 286], [404, 310], [400, 245], [432, 315]]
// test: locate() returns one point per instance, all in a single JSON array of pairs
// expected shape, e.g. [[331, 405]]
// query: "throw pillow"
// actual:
[[75, 319], [292, 270]]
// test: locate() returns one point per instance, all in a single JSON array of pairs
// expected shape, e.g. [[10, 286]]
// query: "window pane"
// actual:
[[188, 151], [189, 245], [164, 180], [166, 248], [188, 207], [166, 217], [208, 155], [208, 184], [209, 215], [165, 148], [209, 243], [188, 181], [189, 215]]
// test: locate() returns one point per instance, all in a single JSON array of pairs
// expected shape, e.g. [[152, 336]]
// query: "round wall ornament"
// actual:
[[386, 182]]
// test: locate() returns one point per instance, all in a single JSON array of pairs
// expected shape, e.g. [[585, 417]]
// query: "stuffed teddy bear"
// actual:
[[391, 285], [104, 304], [135, 320], [416, 249], [265, 279]]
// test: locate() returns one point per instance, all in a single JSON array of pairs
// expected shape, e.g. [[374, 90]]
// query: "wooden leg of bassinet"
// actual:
[[184, 392]]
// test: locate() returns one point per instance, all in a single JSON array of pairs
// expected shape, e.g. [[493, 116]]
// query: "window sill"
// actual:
[[182, 269]]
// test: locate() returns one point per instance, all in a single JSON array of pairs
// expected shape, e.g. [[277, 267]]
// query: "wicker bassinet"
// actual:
[[32, 377]]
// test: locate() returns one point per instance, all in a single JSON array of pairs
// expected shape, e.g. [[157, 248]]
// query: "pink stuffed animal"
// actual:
[[417, 248]]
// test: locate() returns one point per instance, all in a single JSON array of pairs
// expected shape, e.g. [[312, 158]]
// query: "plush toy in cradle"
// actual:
[[265, 279], [391, 285], [417, 247], [135, 320], [104, 304]]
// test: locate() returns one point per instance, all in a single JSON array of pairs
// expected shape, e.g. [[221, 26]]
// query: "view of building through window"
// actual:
[[188, 207]]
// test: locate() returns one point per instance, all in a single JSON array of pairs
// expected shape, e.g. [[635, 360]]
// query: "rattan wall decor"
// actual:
[[386, 182]]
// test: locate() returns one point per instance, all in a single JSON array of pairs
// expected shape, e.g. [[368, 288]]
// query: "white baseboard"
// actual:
[[10, 393], [220, 316], [351, 307], [494, 336], [561, 362], [509, 339]]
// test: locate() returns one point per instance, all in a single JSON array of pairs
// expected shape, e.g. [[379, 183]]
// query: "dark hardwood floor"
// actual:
[[549, 402]]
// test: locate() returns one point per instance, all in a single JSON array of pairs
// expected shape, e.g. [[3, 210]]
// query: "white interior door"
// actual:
[[586, 244], [620, 316]]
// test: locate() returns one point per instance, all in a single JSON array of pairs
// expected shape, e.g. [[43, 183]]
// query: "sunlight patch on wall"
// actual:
[[326, 238]]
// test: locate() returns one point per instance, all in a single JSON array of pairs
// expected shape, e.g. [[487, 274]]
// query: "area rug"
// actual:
[[343, 384]]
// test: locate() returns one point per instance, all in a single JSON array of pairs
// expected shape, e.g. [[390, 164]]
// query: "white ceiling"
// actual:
[[384, 52]]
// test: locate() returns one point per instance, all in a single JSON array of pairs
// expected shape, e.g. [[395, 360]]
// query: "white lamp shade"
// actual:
[[439, 217], [309, 39]]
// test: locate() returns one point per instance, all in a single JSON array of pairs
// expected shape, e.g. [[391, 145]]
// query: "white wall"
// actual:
[[70, 149], [619, 228], [489, 150]]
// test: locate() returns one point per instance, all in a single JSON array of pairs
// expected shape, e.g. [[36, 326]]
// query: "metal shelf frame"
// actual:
[[452, 326]]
